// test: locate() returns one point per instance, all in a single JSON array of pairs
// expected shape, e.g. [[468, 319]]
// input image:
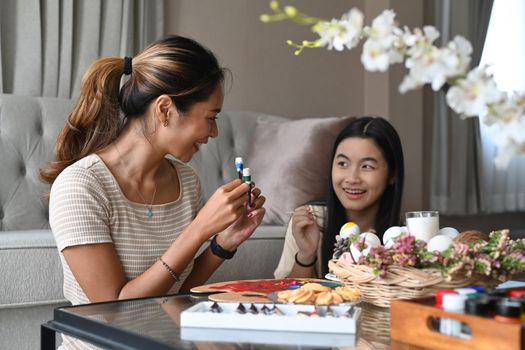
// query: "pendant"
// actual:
[[149, 214]]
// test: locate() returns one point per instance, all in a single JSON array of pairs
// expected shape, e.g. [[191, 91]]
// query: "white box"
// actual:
[[201, 316], [199, 323], [268, 337]]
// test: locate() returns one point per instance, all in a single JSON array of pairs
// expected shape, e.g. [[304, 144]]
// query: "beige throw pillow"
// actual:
[[289, 161]]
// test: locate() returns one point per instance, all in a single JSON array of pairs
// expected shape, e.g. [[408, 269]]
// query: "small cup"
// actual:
[[423, 224]]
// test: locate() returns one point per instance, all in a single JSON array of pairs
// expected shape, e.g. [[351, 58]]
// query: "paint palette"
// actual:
[[255, 291]]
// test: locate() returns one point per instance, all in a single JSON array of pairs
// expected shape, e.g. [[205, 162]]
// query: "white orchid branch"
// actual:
[[472, 93]]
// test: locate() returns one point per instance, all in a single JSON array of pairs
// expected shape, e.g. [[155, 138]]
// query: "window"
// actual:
[[504, 52]]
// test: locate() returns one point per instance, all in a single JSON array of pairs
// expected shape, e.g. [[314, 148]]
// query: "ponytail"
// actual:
[[176, 66], [95, 119]]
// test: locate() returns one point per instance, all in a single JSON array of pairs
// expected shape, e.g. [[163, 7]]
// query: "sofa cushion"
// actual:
[[28, 130], [30, 269], [290, 162]]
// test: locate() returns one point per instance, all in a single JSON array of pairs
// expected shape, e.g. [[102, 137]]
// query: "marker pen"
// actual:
[[239, 166], [465, 291], [439, 296], [500, 293], [508, 312], [247, 178], [521, 301], [452, 303], [436, 322], [479, 307], [517, 293], [478, 289]]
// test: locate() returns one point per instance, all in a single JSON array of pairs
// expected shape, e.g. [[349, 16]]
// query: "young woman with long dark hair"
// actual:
[[365, 186]]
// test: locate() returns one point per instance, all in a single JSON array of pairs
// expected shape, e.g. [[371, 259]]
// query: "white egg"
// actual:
[[390, 234], [348, 229], [448, 231], [371, 240], [439, 243]]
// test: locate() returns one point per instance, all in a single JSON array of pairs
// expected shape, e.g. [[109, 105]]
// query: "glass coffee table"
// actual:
[[154, 323]]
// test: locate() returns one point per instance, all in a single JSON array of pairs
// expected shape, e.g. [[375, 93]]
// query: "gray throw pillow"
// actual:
[[289, 161]]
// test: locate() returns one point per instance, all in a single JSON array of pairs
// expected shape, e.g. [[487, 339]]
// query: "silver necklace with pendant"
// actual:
[[149, 213]]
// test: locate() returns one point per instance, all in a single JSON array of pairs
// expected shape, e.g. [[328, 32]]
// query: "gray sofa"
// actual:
[[30, 270]]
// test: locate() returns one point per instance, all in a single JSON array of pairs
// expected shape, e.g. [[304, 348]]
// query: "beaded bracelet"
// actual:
[[170, 270], [219, 251], [304, 265]]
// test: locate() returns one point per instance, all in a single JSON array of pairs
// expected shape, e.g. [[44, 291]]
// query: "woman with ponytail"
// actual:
[[127, 220]]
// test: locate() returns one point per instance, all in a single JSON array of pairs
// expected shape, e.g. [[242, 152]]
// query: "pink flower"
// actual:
[[346, 257], [361, 245]]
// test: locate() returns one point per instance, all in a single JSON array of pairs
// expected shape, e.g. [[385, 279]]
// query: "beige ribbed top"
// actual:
[[87, 206]]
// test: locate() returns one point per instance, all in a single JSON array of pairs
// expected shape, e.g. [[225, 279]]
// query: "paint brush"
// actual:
[[239, 166]]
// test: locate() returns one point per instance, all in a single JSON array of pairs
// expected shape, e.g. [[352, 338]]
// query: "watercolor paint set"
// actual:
[[334, 319]]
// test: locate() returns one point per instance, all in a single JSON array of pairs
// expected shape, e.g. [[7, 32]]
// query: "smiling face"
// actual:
[[191, 129], [359, 175]]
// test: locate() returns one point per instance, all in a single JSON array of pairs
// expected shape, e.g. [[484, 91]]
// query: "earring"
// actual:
[[165, 123]]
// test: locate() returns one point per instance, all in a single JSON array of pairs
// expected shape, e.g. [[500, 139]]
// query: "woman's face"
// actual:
[[195, 127], [359, 174]]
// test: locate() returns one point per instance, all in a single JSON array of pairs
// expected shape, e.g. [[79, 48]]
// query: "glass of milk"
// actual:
[[423, 224]]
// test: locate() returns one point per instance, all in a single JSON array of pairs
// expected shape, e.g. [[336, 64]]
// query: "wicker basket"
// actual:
[[406, 282], [375, 326], [399, 282]]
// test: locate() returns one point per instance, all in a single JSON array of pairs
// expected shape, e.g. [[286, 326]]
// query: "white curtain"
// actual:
[[504, 190], [456, 150], [47, 45]]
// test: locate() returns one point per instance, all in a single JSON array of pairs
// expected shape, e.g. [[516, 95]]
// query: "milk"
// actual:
[[423, 225]]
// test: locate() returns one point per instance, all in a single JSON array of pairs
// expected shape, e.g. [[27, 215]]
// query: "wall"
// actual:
[[268, 78]]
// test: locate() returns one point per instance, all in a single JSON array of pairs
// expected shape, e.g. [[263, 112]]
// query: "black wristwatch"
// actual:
[[219, 251]]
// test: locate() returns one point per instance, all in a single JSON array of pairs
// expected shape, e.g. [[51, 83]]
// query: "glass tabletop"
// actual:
[[154, 323]]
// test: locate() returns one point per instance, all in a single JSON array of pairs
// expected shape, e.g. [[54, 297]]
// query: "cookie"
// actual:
[[316, 287], [348, 293]]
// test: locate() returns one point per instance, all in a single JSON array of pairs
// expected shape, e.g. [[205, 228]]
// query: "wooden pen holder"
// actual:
[[413, 326]]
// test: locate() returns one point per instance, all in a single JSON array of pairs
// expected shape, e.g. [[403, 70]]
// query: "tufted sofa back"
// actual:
[[28, 130]]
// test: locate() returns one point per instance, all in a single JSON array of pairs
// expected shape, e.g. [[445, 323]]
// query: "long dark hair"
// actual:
[[386, 138], [175, 66]]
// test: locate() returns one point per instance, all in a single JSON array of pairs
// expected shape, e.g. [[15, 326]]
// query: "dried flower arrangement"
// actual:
[[499, 257]]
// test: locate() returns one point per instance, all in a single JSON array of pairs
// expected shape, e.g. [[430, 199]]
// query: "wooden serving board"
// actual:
[[253, 291]]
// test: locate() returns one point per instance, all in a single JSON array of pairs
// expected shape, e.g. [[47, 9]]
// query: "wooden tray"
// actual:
[[411, 329], [253, 291]]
